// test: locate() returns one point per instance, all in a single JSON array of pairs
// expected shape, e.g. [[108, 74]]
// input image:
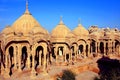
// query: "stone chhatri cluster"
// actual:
[[27, 45]]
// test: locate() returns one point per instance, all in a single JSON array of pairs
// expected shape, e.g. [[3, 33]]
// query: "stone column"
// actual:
[[96, 47], [6, 73], [33, 72], [51, 59], [65, 53], [84, 54], [9, 61], [15, 62], [28, 58], [69, 55], [77, 53], [65, 57], [109, 47], [91, 49], [104, 48], [75, 56], [45, 52], [40, 53], [47, 60], [55, 51], [113, 46], [33, 61], [88, 50], [19, 57], [6, 61]]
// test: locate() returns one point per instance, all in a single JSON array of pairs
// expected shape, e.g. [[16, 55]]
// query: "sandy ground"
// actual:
[[85, 69]]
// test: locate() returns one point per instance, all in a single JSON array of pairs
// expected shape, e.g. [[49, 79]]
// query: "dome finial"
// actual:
[[27, 11], [79, 22], [26, 4], [61, 21]]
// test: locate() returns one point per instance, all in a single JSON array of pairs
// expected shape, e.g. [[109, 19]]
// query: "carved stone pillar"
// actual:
[[51, 59], [55, 51], [65, 53], [71, 54], [75, 53], [113, 46], [110, 47], [104, 48], [40, 53], [33, 72], [65, 57], [9, 61], [15, 62], [84, 53], [88, 50], [28, 58], [75, 56], [6, 74], [91, 49], [6, 61], [33, 61], [45, 52], [19, 57], [96, 47]]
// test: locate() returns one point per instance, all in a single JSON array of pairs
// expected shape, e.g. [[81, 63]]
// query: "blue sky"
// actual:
[[103, 13]]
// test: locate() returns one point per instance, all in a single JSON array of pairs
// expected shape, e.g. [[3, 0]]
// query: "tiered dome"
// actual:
[[80, 31], [26, 23], [60, 31]]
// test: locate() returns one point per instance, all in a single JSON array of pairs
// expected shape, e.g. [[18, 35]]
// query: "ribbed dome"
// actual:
[[7, 30], [60, 31], [25, 23], [80, 31]]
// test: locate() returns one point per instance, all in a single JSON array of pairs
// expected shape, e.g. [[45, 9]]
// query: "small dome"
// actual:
[[60, 31], [80, 31], [7, 30], [38, 29]]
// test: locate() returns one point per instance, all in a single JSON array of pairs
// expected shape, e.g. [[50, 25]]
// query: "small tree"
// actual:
[[109, 69], [68, 75]]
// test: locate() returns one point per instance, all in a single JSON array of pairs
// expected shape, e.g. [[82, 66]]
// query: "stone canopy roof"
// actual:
[[80, 31], [26, 23], [60, 31]]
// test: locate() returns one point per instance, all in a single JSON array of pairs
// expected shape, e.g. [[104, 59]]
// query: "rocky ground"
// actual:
[[85, 69]]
